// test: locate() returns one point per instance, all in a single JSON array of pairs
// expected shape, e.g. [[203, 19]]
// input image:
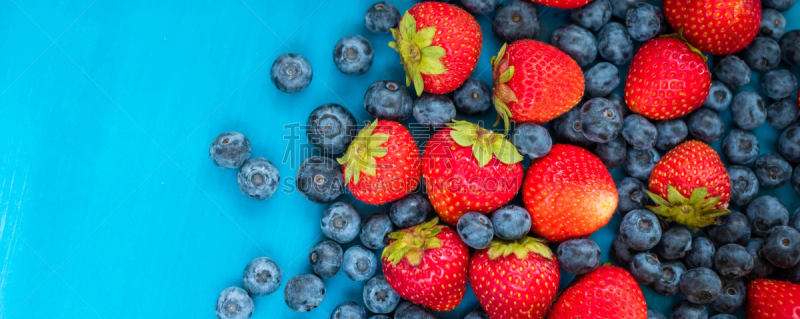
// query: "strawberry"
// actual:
[[534, 82], [382, 163], [694, 170], [667, 79], [772, 299], [562, 4], [569, 193], [470, 169], [715, 26], [427, 264], [515, 280], [439, 46], [607, 292]]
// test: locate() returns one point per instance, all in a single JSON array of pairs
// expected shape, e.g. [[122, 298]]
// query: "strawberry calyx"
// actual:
[[680, 37], [484, 143], [520, 248], [361, 154], [418, 55], [411, 243], [695, 212], [501, 74]]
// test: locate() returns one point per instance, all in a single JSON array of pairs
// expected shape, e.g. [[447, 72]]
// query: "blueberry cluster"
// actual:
[[258, 178]]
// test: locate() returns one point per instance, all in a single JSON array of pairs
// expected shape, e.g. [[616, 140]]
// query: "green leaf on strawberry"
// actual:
[[417, 52], [694, 212], [502, 73], [485, 143], [361, 154], [412, 244], [520, 248]]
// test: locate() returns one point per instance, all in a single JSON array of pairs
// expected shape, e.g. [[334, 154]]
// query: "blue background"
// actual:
[[109, 205]]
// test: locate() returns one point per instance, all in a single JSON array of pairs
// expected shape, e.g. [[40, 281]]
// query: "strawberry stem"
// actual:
[[484, 143], [417, 52], [411, 243], [520, 248], [695, 212], [680, 37]]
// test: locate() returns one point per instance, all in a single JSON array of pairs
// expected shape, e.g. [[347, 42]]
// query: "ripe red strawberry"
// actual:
[[607, 292], [515, 280], [470, 169], [439, 46], [715, 26], [562, 4], [772, 299], [382, 163], [667, 79], [534, 82], [569, 194], [690, 175], [427, 264]]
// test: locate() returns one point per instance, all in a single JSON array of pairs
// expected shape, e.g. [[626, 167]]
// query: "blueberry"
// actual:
[[578, 256], [388, 100], [741, 147], [778, 84], [670, 133], [262, 276], [762, 54], [408, 310], [796, 181], [433, 110], [780, 5], [700, 285], [349, 310], [340, 222], [475, 229], [733, 71], [234, 303], [479, 6], [601, 121], [731, 297], [701, 254], [601, 79], [790, 47], [568, 129], [375, 231], [325, 258], [733, 228], [782, 113], [229, 150], [477, 313], [532, 140], [773, 24], [614, 43], [719, 97], [320, 179], [622, 253], [687, 310], [723, 316], [643, 21], [705, 125], [782, 247], [733, 261], [632, 195], [411, 210], [761, 267], [639, 132], [378, 296], [258, 178], [613, 153], [792, 274], [640, 163], [669, 283], [473, 97], [359, 263], [592, 16], [789, 143], [675, 242], [380, 317], [331, 127], [748, 110], [577, 42], [640, 230], [772, 170], [291, 73], [353, 55], [764, 213], [304, 292], [653, 314], [381, 17], [515, 20], [795, 221], [619, 101], [620, 7], [511, 222], [645, 268]]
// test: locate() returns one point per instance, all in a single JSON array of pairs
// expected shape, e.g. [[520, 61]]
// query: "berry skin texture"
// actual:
[[577, 42], [304, 292], [719, 97], [688, 166], [767, 299], [622, 253], [773, 24], [608, 292], [669, 283], [473, 97], [762, 54], [359, 263], [790, 47], [620, 7], [780, 5], [705, 125], [643, 21], [475, 229], [761, 267], [701, 254], [434, 111], [515, 20], [687, 310], [733, 228], [732, 296], [789, 143], [408, 310], [562, 4], [653, 314], [532, 140], [234, 303], [258, 178], [675, 242], [567, 128], [632, 195], [375, 230], [764, 213], [291, 73], [670, 133], [353, 55], [718, 27], [477, 313], [666, 79], [601, 120], [782, 247], [778, 84], [614, 43], [229, 150], [479, 6], [640, 230], [601, 80], [700, 285], [569, 194], [741, 147], [772, 170], [262, 276], [578, 256], [783, 113], [411, 210], [733, 261], [593, 15], [379, 297], [340, 222], [388, 100], [613, 153], [320, 180], [349, 310], [645, 268], [511, 222], [639, 132], [381, 16], [733, 71], [640, 163], [325, 258], [331, 127]]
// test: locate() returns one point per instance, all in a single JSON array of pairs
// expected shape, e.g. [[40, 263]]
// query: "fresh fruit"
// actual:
[[378, 296], [578, 256], [782, 247], [517, 279], [375, 231], [796, 181], [382, 163], [340, 222], [569, 194], [479, 6], [532, 140], [304, 292], [744, 186], [511, 222], [234, 303], [741, 147], [780, 5], [601, 121], [773, 24], [654, 314], [700, 285], [670, 133], [639, 132], [229, 150], [766, 212], [433, 111], [640, 230], [408, 310], [614, 43], [258, 178], [632, 195], [620, 7], [675, 242], [331, 127], [732, 296], [643, 21], [515, 20], [353, 55], [778, 84], [701, 254], [640, 163], [719, 97], [782, 113], [733, 261], [411, 210], [687, 310], [427, 264], [645, 268], [568, 129], [325, 258], [349, 310], [475, 230], [761, 266], [562, 4], [705, 125], [790, 47], [593, 16], [748, 110], [388, 101], [772, 170], [762, 54], [291, 73], [262, 276], [736, 23], [613, 153], [590, 294], [381, 17], [669, 283], [601, 80], [320, 180], [577, 42], [622, 253], [772, 299], [439, 46], [732, 71], [359, 263], [473, 97], [470, 169], [732, 228], [477, 313]]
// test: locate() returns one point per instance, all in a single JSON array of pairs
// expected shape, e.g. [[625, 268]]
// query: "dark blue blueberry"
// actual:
[[340, 222], [748, 110], [353, 55], [741, 147], [234, 303], [795, 180], [258, 178], [700, 285], [733, 71], [568, 129], [772, 170], [773, 24], [614, 43], [795, 221], [577, 42], [790, 47], [762, 54], [331, 127], [792, 274], [479, 6], [645, 268], [477, 313], [632, 195], [761, 267], [687, 310], [733, 228], [732, 296], [675, 242], [601, 79], [669, 283], [511, 222], [473, 97], [408, 310], [475, 230], [764, 213], [349, 310], [701, 254], [719, 97], [653, 314], [778, 84], [789, 143], [639, 132], [433, 110], [593, 15], [640, 230], [388, 100], [643, 21], [640, 163], [780, 5], [782, 247], [291, 73], [733, 261], [359, 263], [304, 292], [622, 253], [325, 258], [320, 180], [229, 150], [613, 153], [411, 210], [578, 256], [380, 317], [515, 20], [601, 120], [723, 316], [619, 101], [620, 7], [262, 276], [532, 140], [378, 296], [381, 17], [705, 125], [670, 133], [375, 231], [782, 113]]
